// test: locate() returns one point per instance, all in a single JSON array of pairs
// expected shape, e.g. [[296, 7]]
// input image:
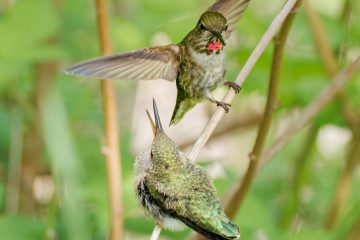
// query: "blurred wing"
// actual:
[[232, 10], [145, 64]]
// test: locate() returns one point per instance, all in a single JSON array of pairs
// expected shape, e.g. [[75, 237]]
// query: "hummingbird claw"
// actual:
[[234, 86], [224, 105]]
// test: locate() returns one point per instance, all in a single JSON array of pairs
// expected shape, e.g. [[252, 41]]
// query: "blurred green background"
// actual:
[[52, 173]]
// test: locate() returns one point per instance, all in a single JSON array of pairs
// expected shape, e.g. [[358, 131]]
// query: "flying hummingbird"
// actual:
[[196, 63], [176, 192]]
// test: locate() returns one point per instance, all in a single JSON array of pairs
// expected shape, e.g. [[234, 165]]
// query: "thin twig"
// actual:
[[285, 20], [349, 112], [255, 55], [156, 233], [111, 131], [250, 120], [300, 168], [346, 19], [329, 60], [237, 197], [315, 107], [343, 187], [312, 110]]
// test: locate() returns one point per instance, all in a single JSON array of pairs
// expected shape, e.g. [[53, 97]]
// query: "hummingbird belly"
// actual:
[[173, 224], [201, 73]]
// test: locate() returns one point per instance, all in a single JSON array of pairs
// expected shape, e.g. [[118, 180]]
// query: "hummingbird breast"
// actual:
[[151, 206], [143, 164], [201, 72]]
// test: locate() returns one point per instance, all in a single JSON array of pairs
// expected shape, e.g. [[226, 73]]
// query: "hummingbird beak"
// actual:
[[219, 36], [153, 128], [158, 125]]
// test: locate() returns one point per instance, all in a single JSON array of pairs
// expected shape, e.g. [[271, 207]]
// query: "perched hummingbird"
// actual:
[[176, 192], [196, 63]]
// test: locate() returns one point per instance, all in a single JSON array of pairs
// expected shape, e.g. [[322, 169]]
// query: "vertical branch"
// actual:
[[329, 60], [254, 57], [299, 171], [346, 19], [216, 118], [31, 157], [354, 232], [239, 194], [14, 169], [312, 110], [321, 41], [343, 187], [111, 131]]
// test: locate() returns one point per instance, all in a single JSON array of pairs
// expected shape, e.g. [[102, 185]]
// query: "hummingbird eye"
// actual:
[[202, 26], [226, 27]]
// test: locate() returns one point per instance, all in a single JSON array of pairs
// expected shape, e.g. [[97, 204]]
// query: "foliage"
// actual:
[[68, 118]]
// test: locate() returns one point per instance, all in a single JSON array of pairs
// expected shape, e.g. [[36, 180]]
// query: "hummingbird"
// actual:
[[176, 192], [196, 63]]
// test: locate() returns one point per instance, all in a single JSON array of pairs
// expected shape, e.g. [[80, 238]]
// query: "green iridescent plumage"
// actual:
[[173, 190], [196, 63]]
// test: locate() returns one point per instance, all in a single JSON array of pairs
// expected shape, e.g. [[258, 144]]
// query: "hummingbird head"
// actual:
[[163, 149], [211, 26]]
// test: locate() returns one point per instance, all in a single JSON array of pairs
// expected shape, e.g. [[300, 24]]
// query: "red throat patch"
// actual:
[[216, 46]]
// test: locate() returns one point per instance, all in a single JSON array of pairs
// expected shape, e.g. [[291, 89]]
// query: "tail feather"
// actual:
[[230, 230], [182, 106]]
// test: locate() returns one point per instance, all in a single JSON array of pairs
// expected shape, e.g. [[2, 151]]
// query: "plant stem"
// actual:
[[111, 131], [254, 57], [329, 60], [156, 233], [15, 156], [244, 122], [350, 114], [284, 19], [354, 232], [343, 187], [310, 111], [238, 195], [300, 170], [31, 162]]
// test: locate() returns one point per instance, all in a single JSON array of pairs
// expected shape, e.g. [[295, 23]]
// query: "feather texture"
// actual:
[[232, 10], [185, 192], [145, 64]]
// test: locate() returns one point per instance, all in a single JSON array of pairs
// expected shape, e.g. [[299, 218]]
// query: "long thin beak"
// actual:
[[158, 125], [153, 128], [219, 36]]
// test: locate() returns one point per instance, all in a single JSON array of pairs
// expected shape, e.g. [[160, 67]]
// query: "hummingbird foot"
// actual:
[[233, 85], [224, 105]]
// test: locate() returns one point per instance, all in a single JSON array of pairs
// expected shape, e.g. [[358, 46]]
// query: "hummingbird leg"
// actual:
[[224, 105], [233, 85]]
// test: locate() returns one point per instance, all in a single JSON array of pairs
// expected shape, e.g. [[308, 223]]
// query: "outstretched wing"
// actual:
[[145, 64], [232, 10]]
